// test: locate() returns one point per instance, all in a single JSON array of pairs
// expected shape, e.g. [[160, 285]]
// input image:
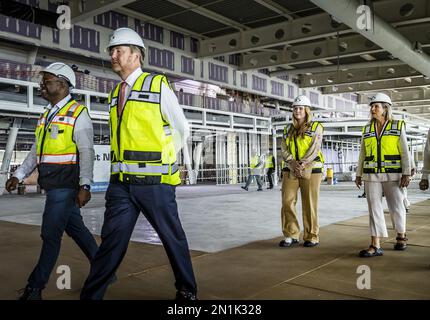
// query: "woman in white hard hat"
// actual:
[[384, 165], [301, 151]]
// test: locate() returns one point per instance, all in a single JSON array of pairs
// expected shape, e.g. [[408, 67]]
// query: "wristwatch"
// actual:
[[86, 187]]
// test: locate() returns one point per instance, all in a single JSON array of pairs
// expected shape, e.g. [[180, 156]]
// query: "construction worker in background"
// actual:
[[270, 167], [256, 170], [301, 151], [424, 183], [147, 127], [385, 167], [64, 156]]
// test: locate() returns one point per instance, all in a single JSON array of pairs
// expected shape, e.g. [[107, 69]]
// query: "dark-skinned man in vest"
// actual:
[[64, 156], [144, 115]]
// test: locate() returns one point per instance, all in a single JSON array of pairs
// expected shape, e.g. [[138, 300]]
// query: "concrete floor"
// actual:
[[233, 235], [214, 218]]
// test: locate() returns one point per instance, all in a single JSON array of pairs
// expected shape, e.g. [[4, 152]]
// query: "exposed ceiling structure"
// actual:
[[323, 43]]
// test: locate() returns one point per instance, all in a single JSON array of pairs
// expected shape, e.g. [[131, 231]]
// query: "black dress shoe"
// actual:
[[401, 245], [284, 244], [31, 294], [245, 188], [185, 295], [259, 189], [309, 244], [367, 254]]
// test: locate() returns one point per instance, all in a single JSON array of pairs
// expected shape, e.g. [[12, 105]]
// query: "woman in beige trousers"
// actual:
[[301, 151]]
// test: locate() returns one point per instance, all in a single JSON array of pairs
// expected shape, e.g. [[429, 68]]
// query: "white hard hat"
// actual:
[[125, 36], [380, 97], [302, 101], [62, 71]]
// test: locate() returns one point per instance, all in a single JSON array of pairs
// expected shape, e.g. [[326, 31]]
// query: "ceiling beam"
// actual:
[[345, 46], [303, 29], [381, 33], [377, 86], [161, 23], [275, 7], [418, 97], [359, 75], [81, 10], [333, 67], [209, 14]]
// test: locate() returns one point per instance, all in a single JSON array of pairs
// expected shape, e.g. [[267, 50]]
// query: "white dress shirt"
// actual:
[[83, 136], [170, 108]]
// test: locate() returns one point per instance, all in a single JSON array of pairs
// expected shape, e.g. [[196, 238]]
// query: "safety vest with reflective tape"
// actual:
[[142, 149], [255, 161], [298, 146], [55, 142], [383, 153], [269, 162], [57, 153]]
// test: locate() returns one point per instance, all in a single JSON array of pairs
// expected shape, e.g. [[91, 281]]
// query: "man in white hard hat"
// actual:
[[144, 117], [63, 154]]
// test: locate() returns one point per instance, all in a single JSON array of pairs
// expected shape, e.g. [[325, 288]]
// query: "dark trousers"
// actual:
[[61, 214], [269, 177], [257, 178], [123, 206]]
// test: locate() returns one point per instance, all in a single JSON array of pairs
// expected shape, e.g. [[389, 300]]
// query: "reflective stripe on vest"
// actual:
[[382, 155], [59, 158], [136, 168]]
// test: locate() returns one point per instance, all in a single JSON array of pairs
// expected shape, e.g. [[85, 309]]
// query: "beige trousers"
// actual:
[[309, 191]]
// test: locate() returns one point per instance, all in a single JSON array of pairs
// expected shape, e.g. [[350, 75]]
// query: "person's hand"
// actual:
[[297, 168], [412, 172], [358, 182], [84, 196], [424, 184], [293, 165], [11, 184], [404, 181]]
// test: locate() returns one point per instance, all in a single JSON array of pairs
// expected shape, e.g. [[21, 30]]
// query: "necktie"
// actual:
[[52, 114], [121, 99]]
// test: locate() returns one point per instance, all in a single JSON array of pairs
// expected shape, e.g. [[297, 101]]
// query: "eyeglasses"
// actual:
[[44, 82]]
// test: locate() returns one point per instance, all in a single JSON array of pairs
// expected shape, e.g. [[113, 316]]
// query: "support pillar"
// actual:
[[11, 140]]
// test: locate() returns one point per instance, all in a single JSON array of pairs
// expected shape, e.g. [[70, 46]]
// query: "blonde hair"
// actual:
[[138, 50], [299, 130]]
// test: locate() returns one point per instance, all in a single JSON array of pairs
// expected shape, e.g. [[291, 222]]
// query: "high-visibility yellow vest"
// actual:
[[298, 146], [284, 165], [383, 153], [55, 143], [142, 149], [57, 153], [269, 162], [255, 160]]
